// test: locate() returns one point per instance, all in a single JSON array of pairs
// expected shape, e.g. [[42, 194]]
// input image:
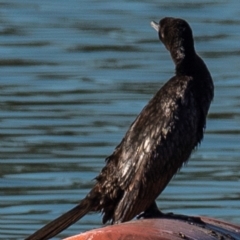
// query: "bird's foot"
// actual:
[[154, 212], [159, 214], [190, 219], [151, 212]]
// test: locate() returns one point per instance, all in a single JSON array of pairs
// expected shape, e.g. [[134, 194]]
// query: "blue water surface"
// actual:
[[75, 74]]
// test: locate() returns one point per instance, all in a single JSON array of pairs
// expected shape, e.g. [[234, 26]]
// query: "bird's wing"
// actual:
[[147, 131], [152, 128]]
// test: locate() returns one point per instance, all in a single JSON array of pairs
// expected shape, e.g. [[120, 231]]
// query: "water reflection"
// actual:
[[75, 75]]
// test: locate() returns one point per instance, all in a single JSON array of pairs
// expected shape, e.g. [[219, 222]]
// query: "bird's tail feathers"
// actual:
[[62, 222]]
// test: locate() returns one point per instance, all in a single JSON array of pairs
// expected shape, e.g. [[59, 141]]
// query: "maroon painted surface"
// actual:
[[165, 229]]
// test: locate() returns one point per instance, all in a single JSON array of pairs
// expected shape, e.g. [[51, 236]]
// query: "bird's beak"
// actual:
[[155, 25]]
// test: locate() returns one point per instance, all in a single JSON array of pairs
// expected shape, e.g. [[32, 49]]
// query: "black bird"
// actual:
[[157, 143]]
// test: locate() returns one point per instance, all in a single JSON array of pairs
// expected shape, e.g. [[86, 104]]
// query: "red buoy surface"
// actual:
[[192, 228]]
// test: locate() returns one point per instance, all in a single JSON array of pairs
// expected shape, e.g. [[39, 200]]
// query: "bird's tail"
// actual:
[[62, 222]]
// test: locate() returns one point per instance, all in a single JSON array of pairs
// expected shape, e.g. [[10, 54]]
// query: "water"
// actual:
[[75, 74]]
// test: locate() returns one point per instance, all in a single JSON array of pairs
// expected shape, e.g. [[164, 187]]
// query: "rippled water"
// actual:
[[75, 74]]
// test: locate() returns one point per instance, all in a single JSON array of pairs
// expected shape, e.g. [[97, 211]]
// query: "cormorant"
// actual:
[[157, 143]]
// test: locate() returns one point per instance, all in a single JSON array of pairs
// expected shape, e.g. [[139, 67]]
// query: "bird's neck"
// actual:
[[184, 60], [183, 54]]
